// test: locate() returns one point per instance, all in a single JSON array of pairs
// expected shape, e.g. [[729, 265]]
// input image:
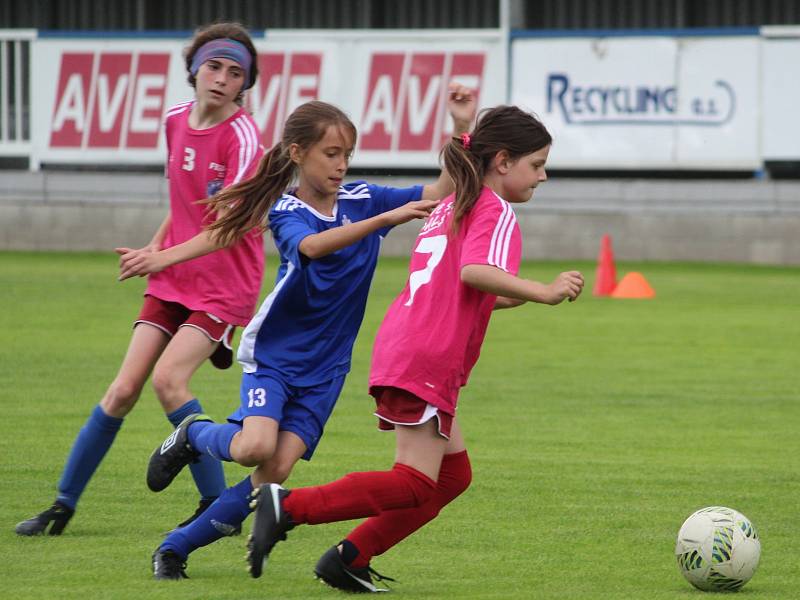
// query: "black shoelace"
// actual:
[[173, 564], [378, 576]]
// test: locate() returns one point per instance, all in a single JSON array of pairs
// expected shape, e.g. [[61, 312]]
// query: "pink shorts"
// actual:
[[396, 406], [171, 316]]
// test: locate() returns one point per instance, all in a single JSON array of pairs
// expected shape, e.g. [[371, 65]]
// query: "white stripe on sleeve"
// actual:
[[253, 132], [177, 109], [507, 240], [243, 143], [245, 130], [498, 236]]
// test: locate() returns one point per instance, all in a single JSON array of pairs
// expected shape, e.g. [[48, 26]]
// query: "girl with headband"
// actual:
[[190, 310]]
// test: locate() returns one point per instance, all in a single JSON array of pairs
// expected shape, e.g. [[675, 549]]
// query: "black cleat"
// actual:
[[270, 525], [168, 565], [221, 527], [172, 455], [58, 514], [332, 570]]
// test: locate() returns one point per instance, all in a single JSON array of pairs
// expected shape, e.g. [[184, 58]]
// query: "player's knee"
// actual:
[[455, 476], [167, 387], [420, 487], [254, 452], [463, 481], [120, 397], [459, 485]]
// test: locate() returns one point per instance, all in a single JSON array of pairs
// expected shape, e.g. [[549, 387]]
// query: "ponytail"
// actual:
[[468, 158], [467, 174], [246, 204]]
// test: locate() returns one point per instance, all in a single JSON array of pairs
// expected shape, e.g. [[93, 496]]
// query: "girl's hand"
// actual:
[[418, 209], [567, 285], [138, 262], [462, 106]]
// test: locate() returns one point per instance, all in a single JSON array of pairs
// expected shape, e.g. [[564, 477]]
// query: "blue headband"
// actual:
[[224, 48]]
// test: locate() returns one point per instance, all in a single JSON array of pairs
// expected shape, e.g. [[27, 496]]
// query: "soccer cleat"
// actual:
[[332, 570], [58, 514], [270, 525], [172, 455], [168, 565], [222, 527]]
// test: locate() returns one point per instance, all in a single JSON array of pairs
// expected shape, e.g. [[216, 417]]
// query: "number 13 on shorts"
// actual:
[[256, 397], [435, 246]]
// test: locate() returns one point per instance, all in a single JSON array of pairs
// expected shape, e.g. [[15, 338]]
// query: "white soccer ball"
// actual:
[[718, 549]]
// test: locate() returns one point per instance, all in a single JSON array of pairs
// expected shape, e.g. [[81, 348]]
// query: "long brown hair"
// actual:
[[249, 201], [506, 128], [215, 31]]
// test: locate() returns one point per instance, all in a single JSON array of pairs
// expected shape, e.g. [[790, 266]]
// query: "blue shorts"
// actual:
[[301, 410]]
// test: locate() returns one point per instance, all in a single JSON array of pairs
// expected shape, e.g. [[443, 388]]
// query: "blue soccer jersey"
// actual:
[[305, 329]]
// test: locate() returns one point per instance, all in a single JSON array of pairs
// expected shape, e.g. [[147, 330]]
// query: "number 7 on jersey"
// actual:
[[435, 246]]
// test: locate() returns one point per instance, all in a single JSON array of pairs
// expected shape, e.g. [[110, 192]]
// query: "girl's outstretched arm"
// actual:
[[462, 106], [496, 281], [327, 242], [151, 259], [144, 261], [504, 302]]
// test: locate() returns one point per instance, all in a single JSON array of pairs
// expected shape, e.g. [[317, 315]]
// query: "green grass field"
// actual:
[[594, 428]]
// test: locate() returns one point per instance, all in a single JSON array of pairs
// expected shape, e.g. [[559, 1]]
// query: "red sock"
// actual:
[[377, 534], [360, 495]]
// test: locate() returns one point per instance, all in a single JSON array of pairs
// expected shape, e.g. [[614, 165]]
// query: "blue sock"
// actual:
[[218, 520], [213, 439], [208, 474], [93, 441]]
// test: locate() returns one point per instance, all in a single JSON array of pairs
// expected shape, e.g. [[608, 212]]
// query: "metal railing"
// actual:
[[15, 117]]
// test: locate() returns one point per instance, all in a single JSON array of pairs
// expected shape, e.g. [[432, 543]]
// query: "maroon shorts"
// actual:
[[399, 407], [171, 316]]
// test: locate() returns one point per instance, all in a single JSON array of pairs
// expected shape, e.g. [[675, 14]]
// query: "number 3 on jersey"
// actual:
[[188, 158], [256, 397], [435, 246]]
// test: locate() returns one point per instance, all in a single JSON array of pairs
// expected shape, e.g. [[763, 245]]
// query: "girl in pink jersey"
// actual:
[[190, 310], [464, 265]]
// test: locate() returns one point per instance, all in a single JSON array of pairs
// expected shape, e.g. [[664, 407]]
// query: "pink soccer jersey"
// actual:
[[432, 333], [225, 283]]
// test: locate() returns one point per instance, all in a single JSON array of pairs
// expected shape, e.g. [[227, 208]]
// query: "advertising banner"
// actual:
[[781, 91], [643, 102], [102, 101]]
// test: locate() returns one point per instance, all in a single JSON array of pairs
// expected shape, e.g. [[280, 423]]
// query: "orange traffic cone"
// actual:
[[633, 285], [606, 274]]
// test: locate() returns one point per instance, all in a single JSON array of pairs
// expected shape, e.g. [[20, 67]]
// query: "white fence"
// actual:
[[15, 138], [641, 101]]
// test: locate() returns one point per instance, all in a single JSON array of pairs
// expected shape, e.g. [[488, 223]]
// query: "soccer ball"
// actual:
[[717, 549]]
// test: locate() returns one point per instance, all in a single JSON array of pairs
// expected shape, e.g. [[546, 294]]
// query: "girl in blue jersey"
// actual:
[[296, 350]]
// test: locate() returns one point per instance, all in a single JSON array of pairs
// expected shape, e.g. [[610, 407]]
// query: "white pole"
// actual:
[[505, 32], [19, 78], [3, 93]]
